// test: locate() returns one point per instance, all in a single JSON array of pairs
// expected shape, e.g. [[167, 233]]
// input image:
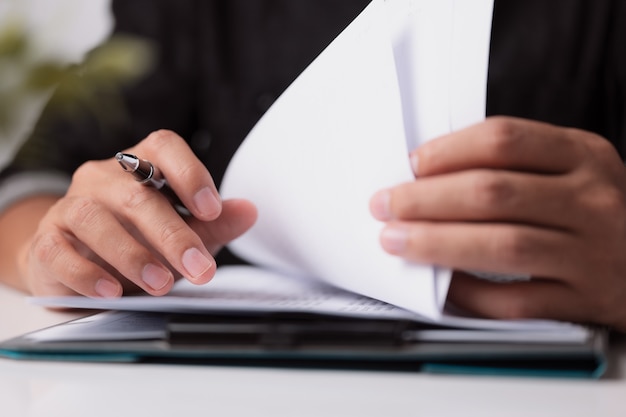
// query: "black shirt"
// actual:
[[223, 62]]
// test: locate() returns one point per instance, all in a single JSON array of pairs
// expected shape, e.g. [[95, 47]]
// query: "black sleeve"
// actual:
[[562, 62]]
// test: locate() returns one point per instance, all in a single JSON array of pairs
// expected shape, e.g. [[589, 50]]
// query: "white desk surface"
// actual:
[[77, 389]]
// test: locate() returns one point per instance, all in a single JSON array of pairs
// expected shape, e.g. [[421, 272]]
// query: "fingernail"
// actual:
[[155, 276], [380, 205], [107, 288], [206, 202], [414, 159], [394, 239], [196, 263]]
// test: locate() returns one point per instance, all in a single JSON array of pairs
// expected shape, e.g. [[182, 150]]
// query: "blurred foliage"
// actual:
[[94, 85]]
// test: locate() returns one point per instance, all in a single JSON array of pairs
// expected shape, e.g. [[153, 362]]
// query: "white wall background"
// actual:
[[58, 29]]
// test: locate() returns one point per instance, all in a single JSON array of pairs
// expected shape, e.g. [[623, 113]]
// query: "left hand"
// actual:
[[513, 196]]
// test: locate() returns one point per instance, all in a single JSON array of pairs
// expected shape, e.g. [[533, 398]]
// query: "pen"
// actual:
[[144, 172]]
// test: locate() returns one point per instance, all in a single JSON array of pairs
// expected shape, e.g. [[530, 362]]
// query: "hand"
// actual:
[[513, 196], [111, 232]]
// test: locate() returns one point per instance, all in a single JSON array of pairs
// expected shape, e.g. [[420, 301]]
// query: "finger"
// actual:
[[236, 218], [98, 229], [185, 173], [499, 248], [501, 142], [151, 216], [479, 195], [63, 271], [517, 300]]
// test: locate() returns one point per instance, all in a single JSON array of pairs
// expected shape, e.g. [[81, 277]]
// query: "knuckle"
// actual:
[[134, 201], [82, 210], [607, 206], [595, 144], [172, 234], [78, 275], [501, 135], [130, 257], [596, 150], [512, 248], [47, 247], [86, 169], [127, 253], [186, 171], [156, 140], [491, 190], [74, 271], [612, 203]]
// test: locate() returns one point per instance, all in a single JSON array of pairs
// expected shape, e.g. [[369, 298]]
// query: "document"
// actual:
[[338, 134], [343, 130], [256, 316], [252, 289]]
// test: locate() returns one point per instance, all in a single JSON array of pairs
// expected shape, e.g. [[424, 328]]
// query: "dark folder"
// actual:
[[308, 341]]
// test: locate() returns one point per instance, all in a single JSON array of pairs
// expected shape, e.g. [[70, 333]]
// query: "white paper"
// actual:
[[252, 289], [312, 163], [341, 132], [442, 52]]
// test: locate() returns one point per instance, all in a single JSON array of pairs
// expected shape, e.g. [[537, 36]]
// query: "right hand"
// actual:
[[110, 233]]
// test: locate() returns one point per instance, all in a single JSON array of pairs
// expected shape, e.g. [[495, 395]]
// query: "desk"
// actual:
[[75, 389]]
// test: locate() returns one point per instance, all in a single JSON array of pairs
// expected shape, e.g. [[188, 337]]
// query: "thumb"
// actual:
[[236, 218]]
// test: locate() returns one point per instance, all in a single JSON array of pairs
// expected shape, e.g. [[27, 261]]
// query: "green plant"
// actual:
[[94, 84]]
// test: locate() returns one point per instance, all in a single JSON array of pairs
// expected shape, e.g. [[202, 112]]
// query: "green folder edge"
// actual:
[[270, 360]]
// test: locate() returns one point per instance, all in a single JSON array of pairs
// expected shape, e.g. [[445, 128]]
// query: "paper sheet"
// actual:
[[441, 48], [252, 289], [342, 131]]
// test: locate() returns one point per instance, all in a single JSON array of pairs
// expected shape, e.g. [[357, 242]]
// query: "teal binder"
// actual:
[[306, 340]]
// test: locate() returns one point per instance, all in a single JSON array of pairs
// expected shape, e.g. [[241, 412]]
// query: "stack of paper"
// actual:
[[403, 72]]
